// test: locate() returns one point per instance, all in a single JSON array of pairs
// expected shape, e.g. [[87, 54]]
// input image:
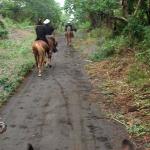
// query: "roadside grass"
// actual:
[[117, 72], [127, 83], [16, 60], [10, 24]]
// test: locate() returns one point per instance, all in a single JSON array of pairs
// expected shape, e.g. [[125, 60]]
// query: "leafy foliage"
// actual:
[[21, 10], [109, 48], [3, 30], [16, 60]]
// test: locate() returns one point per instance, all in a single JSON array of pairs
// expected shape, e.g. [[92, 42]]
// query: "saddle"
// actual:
[[51, 37]]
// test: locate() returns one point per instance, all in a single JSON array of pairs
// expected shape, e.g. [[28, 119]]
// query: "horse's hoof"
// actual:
[[50, 66], [39, 75], [30, 147], [3, 127]]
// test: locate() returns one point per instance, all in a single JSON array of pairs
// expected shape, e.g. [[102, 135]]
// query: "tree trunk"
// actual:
[[125, 8], [137, 8], [148, 12]]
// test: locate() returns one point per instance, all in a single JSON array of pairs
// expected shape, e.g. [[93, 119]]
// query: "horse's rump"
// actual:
[[39, 50], [43, 53], [39, 46], [69, 34]]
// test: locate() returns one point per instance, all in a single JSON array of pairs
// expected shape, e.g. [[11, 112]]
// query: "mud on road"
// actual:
[[55, 113]]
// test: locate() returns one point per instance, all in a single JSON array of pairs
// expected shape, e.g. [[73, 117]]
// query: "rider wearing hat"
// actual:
[[40, 31], [44, 31], [69, 26], [49, 29], [49, 33]]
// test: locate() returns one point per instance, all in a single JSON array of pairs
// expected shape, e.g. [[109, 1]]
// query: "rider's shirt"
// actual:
[[40, 32], [49, 29]]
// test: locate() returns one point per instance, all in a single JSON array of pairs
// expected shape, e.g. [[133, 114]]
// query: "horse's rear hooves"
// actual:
[[50, 66], [30, 147], [128, 145], [39, 75]]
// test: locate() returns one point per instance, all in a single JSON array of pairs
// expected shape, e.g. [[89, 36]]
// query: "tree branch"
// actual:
[[138, 5]]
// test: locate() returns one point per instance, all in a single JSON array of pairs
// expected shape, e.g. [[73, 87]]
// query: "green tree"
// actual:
[[20, 10]]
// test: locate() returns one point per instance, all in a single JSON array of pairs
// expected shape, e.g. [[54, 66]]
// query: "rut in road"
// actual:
[[54, 112]]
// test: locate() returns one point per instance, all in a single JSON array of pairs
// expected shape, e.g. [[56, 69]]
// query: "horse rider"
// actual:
[[49, 29], [69, 27], [42, 30]]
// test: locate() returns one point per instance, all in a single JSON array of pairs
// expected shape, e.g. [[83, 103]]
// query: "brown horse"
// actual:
[[69, 35], [40, 50]]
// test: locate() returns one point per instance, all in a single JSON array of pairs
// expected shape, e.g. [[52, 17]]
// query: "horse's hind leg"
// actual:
[[36, 60], [49, 59], [36, 57], [41, 63], [70, 41], [30, 147], [67, 39]]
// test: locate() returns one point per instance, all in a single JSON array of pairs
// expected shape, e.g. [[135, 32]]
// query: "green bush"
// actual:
[[146, 42], [109, 48], [135, 30], [144, 53], [138, 129], [9, 23], [101, 33], [3, 31], [24, 25], [137, 76], [144, 56], [16, 59], [85, 26]]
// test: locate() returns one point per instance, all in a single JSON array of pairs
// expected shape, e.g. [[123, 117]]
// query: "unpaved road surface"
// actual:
[[54, 112]]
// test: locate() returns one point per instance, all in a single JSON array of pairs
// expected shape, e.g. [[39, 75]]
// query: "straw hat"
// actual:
[[46, 21]]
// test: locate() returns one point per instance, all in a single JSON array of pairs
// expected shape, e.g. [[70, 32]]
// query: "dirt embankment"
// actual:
[[122, 101]]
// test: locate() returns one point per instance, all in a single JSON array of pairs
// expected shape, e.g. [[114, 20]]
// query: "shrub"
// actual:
[[16, 60], [85, 26], [146, 42], [3, 31], [109, 48], [101, 33], [144, 54], [137, 76], [135, 30]]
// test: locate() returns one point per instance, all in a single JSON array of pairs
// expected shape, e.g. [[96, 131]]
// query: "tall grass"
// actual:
[[10, 24], [108, 48], [16, 60]]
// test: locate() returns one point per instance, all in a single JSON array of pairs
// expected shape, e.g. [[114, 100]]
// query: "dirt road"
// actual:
[[54, 112]]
